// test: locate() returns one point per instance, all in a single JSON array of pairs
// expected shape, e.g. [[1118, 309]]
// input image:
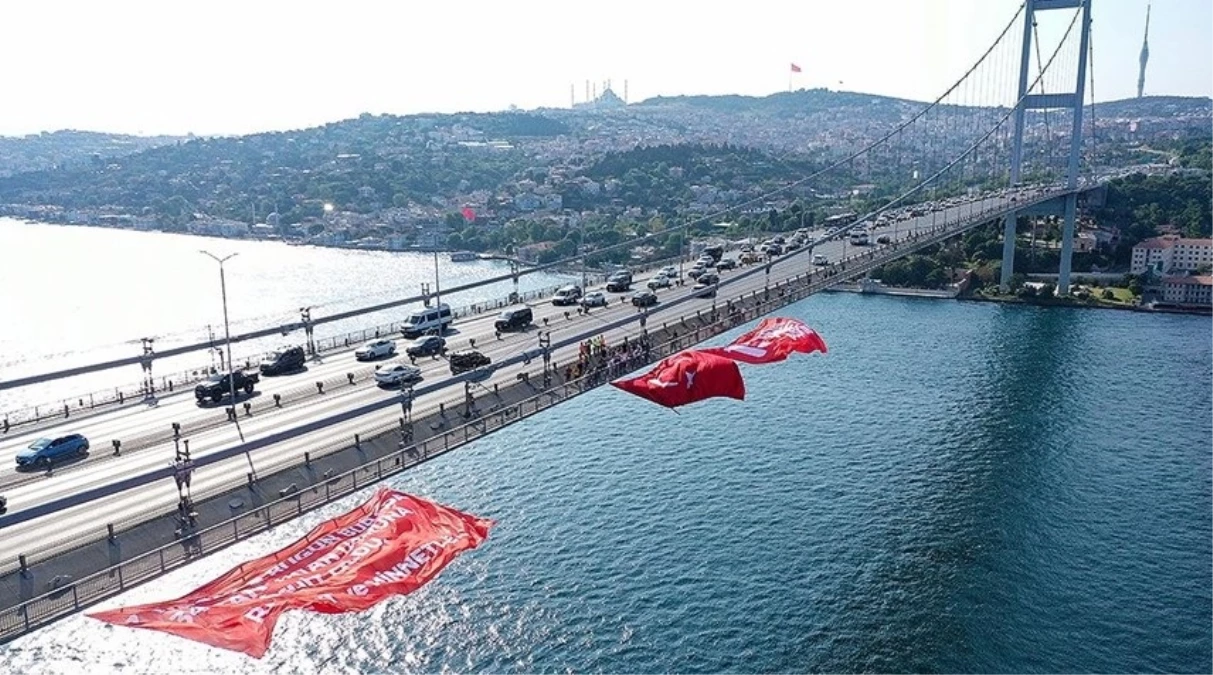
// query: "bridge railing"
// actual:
[[677, 334], [137, 394]]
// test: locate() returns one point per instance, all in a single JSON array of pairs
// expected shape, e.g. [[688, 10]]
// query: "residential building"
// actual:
[[1190, 254], [1170, 254], [1193, 291]]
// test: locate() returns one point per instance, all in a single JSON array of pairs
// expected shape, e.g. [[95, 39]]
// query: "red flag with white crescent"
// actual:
[[773, 340], [391, 545], [687, 377]]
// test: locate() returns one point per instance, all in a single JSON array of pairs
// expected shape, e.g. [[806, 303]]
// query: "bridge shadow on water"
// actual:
[[946, 537]]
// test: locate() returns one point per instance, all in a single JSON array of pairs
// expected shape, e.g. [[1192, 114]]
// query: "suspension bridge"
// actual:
[[1007, 139]]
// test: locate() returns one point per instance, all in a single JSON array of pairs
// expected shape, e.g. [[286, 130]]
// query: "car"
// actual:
[[883, 239], [671, 272], [659, 281], [619, 282], [397, 373], [46, 451], [467, 360], [820, 260], [566, 295], [285, 360], [222, 384], [430, 345], [698, 271], [430, 320], [375, 349], [594, 299], [726, 264], [703, 290], [515, 318], [3, 505], [644, 299]]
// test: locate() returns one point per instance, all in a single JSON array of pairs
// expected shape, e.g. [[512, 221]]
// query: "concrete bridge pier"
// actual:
[[1008, 251], [1067, 245]]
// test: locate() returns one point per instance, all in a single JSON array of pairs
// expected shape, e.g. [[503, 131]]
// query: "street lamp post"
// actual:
[[581, 249], [406, 418], [227, 335], [437, 291], [682, 248]]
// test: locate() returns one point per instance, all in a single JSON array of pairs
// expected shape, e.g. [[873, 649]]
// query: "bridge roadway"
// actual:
[[58, 531]]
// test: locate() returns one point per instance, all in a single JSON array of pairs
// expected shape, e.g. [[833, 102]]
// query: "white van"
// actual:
[[820, 260], [425, 320]]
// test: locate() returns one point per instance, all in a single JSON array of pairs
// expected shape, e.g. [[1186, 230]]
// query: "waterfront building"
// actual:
[[1170, 254], [1190, 291]]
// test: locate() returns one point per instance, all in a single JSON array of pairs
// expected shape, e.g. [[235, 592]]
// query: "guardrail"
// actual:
[[137, 394], [963, 221], [74, 596]]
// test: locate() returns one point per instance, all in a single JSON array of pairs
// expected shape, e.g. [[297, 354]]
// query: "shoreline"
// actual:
[[956, 294]]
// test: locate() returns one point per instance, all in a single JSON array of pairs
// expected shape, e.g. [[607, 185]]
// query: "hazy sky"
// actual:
[[228, 67]]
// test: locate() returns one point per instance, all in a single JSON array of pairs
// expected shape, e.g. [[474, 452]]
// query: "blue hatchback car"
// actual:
[[46, 451]]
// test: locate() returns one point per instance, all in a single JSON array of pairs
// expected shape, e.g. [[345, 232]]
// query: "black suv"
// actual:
[[644, 299], [430, 345], [465, 361], [514, 319], [286, 360], [726, 264], [619, 282], [220, 385]]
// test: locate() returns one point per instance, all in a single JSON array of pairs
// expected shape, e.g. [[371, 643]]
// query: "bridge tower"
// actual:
[[1072, 101]]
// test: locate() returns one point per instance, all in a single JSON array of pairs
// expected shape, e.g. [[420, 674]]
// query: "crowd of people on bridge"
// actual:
[[598, 361]]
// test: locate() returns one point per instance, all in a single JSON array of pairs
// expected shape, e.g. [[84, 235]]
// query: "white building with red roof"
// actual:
[[1170, 254]]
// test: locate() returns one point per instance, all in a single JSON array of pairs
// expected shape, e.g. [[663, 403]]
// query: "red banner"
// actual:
[[391, 545], [773, 340], [687, 377]]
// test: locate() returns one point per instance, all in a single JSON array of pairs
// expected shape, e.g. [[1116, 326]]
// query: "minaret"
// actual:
[[1145, 55]]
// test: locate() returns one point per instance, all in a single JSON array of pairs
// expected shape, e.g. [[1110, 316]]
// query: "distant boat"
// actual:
[[464, 256]]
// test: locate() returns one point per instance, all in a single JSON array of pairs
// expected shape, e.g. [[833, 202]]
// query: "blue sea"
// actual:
[[954, 487]]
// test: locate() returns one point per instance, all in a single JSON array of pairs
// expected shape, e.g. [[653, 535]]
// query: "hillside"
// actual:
[[69, 149], [666, 155]]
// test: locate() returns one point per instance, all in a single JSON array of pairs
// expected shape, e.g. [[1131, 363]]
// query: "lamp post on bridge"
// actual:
[[406, 419], [305, 317], [437, 290], [545, 344], [227, 335]]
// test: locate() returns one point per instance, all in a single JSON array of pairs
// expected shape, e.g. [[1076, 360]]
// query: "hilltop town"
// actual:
[[476, 181]]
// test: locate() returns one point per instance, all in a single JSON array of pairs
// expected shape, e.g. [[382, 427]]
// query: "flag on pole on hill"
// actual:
[[795, 68]]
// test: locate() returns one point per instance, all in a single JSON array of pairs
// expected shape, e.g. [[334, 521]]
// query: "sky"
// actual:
[[226, 67]]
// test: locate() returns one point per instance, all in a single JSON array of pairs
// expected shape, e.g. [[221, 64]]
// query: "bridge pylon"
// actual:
[[1072, 101]]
